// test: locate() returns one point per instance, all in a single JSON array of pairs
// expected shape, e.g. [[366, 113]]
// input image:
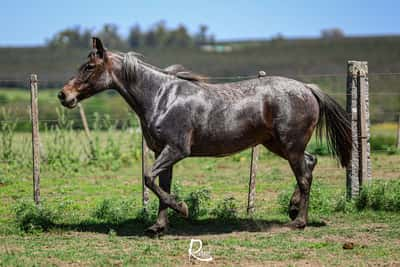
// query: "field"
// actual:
[[320, 61], [91, 206], [91, 212]]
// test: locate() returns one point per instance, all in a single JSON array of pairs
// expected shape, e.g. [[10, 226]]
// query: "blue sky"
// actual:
[[31, 22]]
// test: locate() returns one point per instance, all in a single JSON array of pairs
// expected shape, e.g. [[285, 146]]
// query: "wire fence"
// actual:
[[23, 116]]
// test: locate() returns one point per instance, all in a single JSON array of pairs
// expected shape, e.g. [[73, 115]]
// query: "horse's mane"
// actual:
[[183, 73], [131, 60]]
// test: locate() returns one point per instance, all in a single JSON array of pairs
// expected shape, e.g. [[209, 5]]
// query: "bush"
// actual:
[[381, 143], [197, 202], [4, 180], [318, 148], [320, 200], [226, 209], [34, 218], [344, 205], [7, 127], [149, 215], [60, 153], [112, 211], [108, 156], [380, 195]]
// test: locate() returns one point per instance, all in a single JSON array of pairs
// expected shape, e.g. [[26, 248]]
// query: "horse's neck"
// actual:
[[141, 90]]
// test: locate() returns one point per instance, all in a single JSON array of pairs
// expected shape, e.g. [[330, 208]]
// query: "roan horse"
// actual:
[[183, 116]]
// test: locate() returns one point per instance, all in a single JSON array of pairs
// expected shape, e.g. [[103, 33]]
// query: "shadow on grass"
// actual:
[[182, 227]]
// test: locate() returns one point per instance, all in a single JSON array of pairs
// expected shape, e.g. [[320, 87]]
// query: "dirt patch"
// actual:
[[226, 262], [359, 239]]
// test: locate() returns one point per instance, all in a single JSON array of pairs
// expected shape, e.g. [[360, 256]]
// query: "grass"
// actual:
[[92, 215]]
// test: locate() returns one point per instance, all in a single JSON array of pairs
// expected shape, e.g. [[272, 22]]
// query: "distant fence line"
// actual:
[[48, 83], [357, 106]]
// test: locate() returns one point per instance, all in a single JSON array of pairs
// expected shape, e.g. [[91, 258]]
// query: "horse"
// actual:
[[182, 115]]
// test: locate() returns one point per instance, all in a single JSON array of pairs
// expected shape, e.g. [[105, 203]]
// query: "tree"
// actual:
[[110, 36], [334, 33], [201, 37], [150, 39], [71, 37], [135, 37], [179, 37], [161, 33]]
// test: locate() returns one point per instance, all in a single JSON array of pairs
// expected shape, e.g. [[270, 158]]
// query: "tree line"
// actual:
[[157, 36]]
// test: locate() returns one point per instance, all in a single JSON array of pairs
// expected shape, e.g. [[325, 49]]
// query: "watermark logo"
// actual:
[[198, 253]]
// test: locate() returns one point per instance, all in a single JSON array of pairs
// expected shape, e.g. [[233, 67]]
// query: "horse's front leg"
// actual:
[[164, 162], [161, 224]]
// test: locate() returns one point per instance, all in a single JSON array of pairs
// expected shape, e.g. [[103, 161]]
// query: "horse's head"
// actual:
[[93, 76]]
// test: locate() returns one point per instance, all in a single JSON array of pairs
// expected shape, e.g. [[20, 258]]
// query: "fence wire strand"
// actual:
[[211, 78], [236, 77]]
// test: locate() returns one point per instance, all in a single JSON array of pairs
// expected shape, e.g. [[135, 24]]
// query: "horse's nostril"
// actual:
[[61, 95]]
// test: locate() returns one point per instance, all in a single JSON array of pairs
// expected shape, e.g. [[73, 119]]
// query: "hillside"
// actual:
[[294, 58]]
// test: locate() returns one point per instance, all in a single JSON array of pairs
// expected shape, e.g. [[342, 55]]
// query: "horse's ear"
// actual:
[[97, 45]]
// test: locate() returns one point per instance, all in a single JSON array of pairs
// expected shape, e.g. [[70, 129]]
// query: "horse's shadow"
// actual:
[[181, 227]]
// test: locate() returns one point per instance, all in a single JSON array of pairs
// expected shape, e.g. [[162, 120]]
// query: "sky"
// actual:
[[30, 23]]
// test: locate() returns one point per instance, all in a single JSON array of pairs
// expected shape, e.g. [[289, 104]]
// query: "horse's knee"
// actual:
[[295, 199], [304, 183]]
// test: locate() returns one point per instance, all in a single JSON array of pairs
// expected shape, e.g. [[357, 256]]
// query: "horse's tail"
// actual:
[[337, 126]]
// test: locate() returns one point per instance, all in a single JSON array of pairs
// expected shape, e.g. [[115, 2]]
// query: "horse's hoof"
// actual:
[[293, 212], [184, 210], [155, 230], [296, 224]]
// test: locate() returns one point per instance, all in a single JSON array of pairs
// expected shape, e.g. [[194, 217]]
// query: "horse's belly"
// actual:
[[223, 143]]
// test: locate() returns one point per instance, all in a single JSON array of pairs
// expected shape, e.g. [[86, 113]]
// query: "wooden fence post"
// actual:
[[145, 168], [252, 180], [84, 121], [359, 170], [86, 128], [398, 132], [35, 138], [364, 124]]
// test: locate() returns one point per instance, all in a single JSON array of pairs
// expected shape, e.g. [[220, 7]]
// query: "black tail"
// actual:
[[337, 126]]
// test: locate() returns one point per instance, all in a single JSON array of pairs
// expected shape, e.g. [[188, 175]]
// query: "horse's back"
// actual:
[[226, 118]]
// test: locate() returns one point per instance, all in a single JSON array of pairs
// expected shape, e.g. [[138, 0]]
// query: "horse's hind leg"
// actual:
[[303, 174], [294, 205]]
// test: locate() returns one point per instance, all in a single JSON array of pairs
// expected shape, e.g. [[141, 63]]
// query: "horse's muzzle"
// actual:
[[69, 103]]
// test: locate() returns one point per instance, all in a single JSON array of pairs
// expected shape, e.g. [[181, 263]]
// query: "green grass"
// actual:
[[92, 215], [16, 101]]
